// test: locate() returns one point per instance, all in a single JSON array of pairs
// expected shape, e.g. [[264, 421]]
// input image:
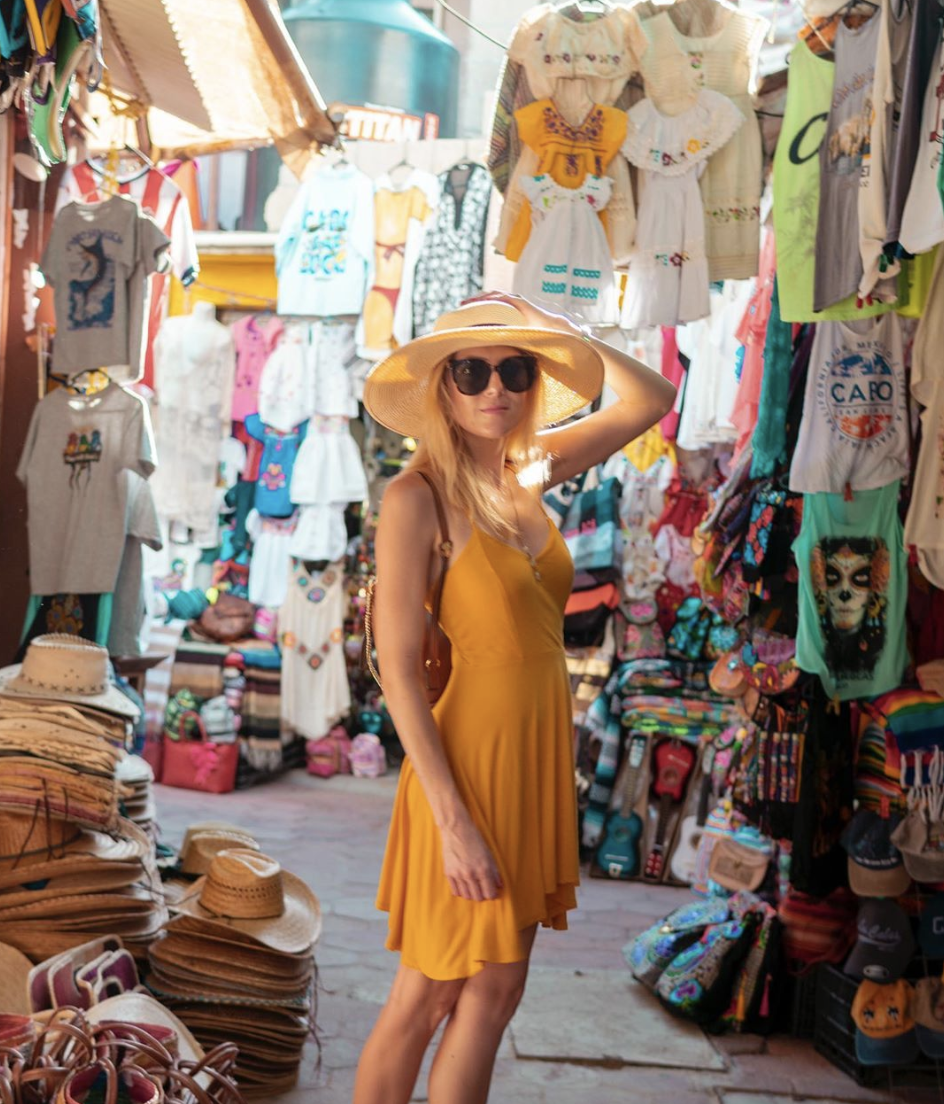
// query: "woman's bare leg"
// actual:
[[462, 1069], [392, 1056]]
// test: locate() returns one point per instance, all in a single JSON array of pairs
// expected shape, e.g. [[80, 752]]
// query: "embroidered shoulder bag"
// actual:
[[437, 650]]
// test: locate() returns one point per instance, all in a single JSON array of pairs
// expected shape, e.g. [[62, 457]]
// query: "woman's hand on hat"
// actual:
[[469, 865], [533, 315]]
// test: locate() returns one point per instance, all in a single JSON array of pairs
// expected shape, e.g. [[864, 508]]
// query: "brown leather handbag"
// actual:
[[228, 619], [437, 650]]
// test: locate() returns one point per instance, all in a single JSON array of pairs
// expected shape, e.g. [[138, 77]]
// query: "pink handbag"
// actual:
[[199, 764], [331, 754]]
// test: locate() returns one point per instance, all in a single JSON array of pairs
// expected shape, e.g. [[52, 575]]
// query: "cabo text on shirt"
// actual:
[[854, 430]]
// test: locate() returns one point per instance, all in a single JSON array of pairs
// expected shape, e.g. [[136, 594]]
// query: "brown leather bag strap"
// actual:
[[445, 546]]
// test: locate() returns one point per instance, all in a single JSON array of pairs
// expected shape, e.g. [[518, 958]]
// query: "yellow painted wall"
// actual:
[[234, 280]]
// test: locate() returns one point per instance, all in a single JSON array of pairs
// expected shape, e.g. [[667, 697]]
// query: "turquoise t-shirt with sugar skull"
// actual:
[[853, 588]]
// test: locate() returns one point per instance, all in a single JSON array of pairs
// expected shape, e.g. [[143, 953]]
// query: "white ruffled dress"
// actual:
[[668, 270], [567, 261]]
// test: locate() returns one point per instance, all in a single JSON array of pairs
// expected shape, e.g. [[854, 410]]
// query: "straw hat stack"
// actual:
[[237, 963], [72, 868], [136, 775]]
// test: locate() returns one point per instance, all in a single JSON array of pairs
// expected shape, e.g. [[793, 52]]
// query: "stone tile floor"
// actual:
[[332, 833]]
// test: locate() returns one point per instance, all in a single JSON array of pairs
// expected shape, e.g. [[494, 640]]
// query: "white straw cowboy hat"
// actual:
[[251, 893], [395, 389], [66, 668]]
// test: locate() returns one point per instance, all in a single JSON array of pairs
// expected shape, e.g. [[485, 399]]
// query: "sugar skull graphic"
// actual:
[[850, 585]]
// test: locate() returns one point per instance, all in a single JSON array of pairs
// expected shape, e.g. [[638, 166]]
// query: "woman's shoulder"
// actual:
[[410, 497]]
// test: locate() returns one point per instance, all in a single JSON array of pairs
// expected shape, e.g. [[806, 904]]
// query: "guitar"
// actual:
[[674, 763], [685, 852], [618, 854]]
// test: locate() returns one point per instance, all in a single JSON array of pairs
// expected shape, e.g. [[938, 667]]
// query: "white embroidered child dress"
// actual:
[[668, 271], [567, 260]]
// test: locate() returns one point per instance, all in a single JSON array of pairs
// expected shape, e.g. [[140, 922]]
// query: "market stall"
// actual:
[[753, 633]]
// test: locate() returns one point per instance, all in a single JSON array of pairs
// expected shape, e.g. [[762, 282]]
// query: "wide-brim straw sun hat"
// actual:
[[66, 668], [34, 847], [571, 369], [249, 892]]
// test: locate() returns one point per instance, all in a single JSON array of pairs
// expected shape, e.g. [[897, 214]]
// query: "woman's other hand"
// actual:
[[470, 867]]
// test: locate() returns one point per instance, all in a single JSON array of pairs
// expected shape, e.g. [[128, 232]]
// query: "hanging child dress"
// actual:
[[506, 727], [668, 271], [567, 262]]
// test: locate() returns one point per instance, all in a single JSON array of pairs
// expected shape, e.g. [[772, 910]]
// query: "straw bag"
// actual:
[[199, 764], [437, 650], [737, 866]]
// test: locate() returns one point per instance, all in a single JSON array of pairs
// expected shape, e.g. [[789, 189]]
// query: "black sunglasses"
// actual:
[[472, 374]]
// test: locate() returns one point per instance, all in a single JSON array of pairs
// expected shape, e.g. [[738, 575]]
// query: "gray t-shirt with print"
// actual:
[[848, 135], [76, 448], [98, 259]]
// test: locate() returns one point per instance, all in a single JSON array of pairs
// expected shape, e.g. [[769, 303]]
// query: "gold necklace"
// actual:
[[519, 537]]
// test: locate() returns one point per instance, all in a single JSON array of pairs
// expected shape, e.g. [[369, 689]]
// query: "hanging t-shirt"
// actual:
[[325, 248], [98, 259], [838, 257], [76, 448], [854, 430], [254, 339], [922, 222], [796, 189], [853, 589], [160, 197]]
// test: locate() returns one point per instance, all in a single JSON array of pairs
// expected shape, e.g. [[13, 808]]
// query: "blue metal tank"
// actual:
[[377, 52]]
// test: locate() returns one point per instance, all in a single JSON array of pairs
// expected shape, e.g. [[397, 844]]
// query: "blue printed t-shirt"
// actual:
[[279, 451]]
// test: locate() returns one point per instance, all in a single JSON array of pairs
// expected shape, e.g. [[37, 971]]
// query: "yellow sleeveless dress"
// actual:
[[506, 726]]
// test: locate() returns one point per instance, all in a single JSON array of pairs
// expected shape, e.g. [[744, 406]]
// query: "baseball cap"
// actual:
[[928, 1011], [884, 944], [922, 848], [876, 868], [931, 928], [885, 1028]]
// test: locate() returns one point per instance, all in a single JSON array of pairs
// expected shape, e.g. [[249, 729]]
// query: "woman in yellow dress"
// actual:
[[483, 837]]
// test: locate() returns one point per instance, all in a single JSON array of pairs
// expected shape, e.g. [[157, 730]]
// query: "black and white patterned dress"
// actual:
[[450, 266]]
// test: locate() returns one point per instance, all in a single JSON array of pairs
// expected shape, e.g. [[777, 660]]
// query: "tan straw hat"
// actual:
[[572, 371], [14, 977], [250, 892], [200, 847], [66, 668]]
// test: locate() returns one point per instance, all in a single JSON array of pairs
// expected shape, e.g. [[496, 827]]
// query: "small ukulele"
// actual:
[[618, 854], [674, 763]]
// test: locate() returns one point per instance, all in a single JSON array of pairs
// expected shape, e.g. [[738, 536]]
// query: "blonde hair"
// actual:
[[444, 454]]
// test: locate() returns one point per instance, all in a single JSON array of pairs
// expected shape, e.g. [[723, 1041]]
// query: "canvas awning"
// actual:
[[214, 75]]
